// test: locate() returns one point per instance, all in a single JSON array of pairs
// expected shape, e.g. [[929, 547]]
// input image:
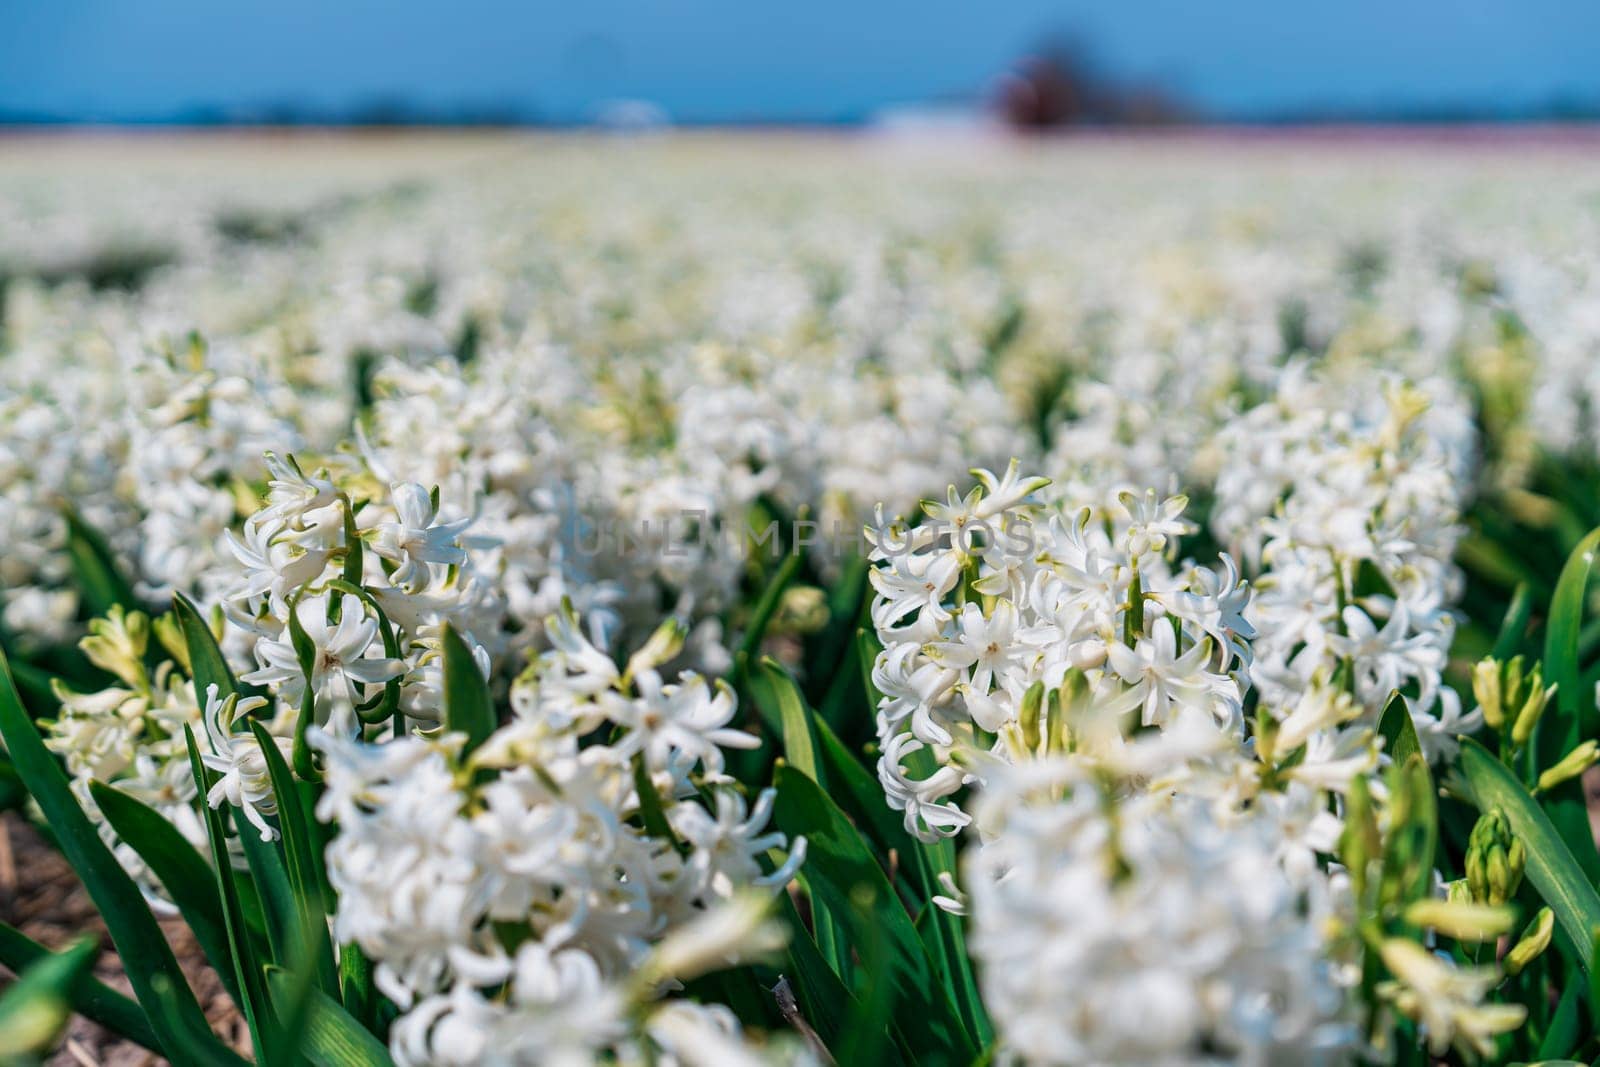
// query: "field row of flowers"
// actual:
[[710, 603]]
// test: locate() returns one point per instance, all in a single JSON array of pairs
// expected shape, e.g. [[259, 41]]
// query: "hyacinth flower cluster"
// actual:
[[1348, 523], [529, 891], [1207, 864], [528, 897], [996, 598]]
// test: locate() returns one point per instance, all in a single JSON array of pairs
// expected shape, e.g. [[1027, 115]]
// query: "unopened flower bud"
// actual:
[[664, 644], [1032, 700], [1495, 859], [1486, 690], [803, 609], [1055, 722], [1464, 922], [1534, 940], [1533, 705], [1572, 764], [1498, 872], [117, 643]]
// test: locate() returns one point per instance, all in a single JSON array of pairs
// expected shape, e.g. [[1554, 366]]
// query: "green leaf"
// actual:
[[35, 1007], [1572, 718], [1399, 733], [651, 812], [842, 874], [165, 1012], [332, 1038], [865, 1028], [1561, 661], [1551, 867], [185, 876], [90, 997], [468, 708], [823, 1000], [867, 648], [776, 690], [206, 661], [95, 569], [355, 986], [181, 1027], [1515, 623], [947, 939], [1565, 1032], [857, 791], [12, 791], [799, 738], [307, 880], [808, 741], [269, 879]]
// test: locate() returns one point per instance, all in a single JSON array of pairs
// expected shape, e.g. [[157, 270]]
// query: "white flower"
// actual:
[[1446, 999], [245, 781], [679, 724], [986, 645], [340, 665], [1180, 939], [726, 847], [1159, 677], [415, 539]]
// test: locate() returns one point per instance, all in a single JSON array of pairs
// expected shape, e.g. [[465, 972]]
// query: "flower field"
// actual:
[[717, 600]]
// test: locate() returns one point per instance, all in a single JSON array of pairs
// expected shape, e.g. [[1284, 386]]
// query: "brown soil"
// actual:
[[41, 896]]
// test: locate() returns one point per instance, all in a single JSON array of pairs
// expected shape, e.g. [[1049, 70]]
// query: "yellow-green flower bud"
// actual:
[[1498, 871], [1494, 860], [1486, 690], [1464, 922], [1533, 704], [1572, 764], [117, 643], [663, 645], [1028, 717], [1534, 940]]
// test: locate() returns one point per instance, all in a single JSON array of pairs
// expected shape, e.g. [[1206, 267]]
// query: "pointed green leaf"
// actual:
[[842, 874], [795, 719], [1515, 623], [205, 656], [185, 876], [1550, 865], [1399, 733], [35, 1008], [90, 997], [468, 708], [95, 569], [182, 1027], [355, 986], [302, 863], [1561, 660], [1572, 718], [332, 1038]]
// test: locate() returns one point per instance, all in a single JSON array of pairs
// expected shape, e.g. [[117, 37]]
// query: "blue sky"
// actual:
[[722, 60]]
